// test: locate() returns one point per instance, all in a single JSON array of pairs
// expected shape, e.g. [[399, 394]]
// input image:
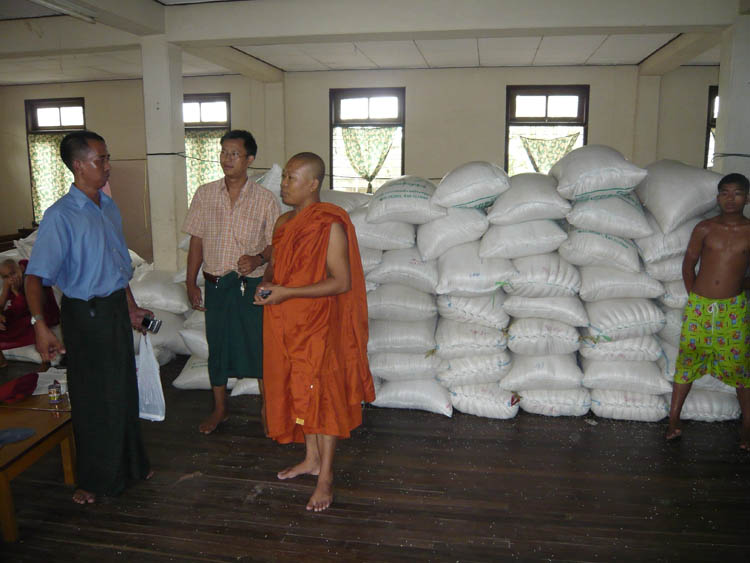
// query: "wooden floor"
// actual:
[[410, 486]]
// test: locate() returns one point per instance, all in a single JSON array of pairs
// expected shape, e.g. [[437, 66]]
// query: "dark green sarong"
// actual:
[[234, 329], [103, 389]]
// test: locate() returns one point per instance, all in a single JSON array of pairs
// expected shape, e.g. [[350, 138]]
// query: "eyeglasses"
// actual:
[[231, 155]]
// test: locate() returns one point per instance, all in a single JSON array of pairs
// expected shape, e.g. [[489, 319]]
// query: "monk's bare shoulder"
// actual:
[[283, 218]]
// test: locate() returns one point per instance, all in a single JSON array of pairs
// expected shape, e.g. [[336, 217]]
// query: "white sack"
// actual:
[[600, 282], [195, 319], [156, 290], [398, 367], [567, 310], [348, 201], [395, 302], [474, 184], [25, 245], [404, 337], [370, 258], [455, 339], [420, 394], [675, 295], [384, 236], [531, 197], [590, 248], [626, 405], [522, 239], [407, 199], [195, 340], [484, 399], [556, 402], [708, 406], [545, 275], [541, 337], [672, 328], [595, 170], [620, 215], [246, 386], [406, 267], [640, 377], [640, 348], [461, 272], [659, 246], [666, 270], [195, 375], [457, 227], [615, 319], [675, 192], [484, 310], [557, 371], [474, 369]]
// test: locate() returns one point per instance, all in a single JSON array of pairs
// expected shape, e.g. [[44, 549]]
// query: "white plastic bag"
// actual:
[[485, 399], [591, 248], [421, 394], [625, 405], [638, 349], [405, 266], [475, 369], [383, 236], [541, 337], [151, 403], [556, 371], [395, 302], [407, 199], [660, 246], [484, 310], [461, 272], [556, 402], [567, 310], [615, 319], [675, 295], [667, 270], [640, 377], [620, 215], [457, 227], [474, 184], [600, 282], [545, 275], [455, 339]]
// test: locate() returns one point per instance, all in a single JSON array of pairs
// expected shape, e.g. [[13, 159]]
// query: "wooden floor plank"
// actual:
[[411, 486]]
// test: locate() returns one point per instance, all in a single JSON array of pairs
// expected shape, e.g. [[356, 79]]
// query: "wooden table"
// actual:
[[53, 427]]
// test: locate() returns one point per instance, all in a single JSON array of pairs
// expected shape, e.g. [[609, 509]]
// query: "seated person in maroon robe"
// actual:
[[15, 318]]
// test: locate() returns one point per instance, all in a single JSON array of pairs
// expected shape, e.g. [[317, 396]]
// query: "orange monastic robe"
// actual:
[[315, 370]]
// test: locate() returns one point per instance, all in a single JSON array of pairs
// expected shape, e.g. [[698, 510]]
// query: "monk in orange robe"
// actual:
[[314, 327]]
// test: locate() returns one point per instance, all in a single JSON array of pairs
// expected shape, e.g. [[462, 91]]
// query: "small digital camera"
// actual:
[[264, 293], [151, 324]]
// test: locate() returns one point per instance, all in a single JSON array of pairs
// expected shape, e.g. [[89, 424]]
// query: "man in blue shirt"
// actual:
[[81, 248]]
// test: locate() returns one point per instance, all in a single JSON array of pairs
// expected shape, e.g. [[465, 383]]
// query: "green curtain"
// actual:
[[366, 148], [50, 178], [544, 153], [202, 150]]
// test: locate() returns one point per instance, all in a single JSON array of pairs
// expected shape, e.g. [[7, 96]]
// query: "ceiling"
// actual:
[[538, 50]]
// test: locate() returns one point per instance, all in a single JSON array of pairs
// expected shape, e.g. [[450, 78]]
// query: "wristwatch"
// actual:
[[36, 318], [262, 258]]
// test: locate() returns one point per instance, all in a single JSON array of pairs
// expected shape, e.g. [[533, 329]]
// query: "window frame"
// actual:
[[713, 93], [216, 97], [581, 120], [335, 95], [32, 123]]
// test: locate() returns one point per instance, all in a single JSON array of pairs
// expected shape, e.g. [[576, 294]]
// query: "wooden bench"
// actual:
[[53, 427]]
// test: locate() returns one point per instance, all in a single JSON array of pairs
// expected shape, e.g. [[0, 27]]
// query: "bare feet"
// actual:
[[674, 432], [305, 468], [322, 496], [212, 422], [83, 497]]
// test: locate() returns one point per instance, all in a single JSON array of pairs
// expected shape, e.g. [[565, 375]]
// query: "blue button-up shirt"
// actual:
[[81, 248]]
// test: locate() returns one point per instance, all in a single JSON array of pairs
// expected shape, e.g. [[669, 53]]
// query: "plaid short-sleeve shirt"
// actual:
[[228, 232]]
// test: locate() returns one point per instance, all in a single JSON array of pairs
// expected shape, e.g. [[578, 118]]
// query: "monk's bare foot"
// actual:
[[305, 468], [322, 496], [212, 422], [150, 474], [673, 432], [83, 497]]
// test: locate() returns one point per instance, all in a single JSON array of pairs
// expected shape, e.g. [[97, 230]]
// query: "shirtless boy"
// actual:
[[715, 337]]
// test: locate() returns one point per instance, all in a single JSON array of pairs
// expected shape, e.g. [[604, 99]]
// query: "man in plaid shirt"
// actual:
[[231, 224]]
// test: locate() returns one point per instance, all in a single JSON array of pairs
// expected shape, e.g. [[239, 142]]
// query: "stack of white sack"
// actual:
[[709, 399], [543, 336], [677, 197], [401, 295], [471, 334]]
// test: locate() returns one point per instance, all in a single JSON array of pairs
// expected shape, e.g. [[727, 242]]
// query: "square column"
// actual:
[[165, 138]]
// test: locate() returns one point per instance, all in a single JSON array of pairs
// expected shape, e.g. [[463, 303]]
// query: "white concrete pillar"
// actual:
[[733, 122], [165, 137], [646, 128]]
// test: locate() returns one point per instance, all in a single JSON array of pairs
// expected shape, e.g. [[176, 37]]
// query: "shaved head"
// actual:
[[314, 163]]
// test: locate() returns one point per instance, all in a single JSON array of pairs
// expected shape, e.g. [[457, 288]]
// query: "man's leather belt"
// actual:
[[210, 278]]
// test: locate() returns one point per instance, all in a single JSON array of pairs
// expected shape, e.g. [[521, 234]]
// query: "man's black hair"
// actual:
[[251, 147], [735, 178], [75, 146]]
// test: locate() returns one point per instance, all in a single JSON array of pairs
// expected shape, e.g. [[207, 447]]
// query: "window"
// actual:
[[543, 124], [712, 114], [206, 118], [47, 122], [367, 137]]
